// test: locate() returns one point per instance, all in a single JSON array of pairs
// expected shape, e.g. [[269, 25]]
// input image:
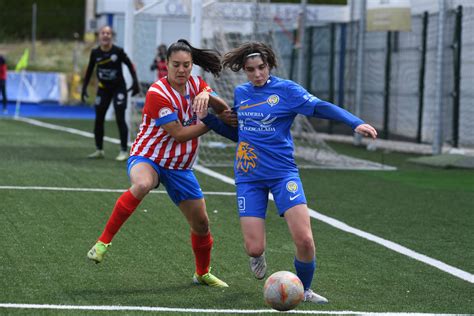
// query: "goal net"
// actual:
[[225, 26]]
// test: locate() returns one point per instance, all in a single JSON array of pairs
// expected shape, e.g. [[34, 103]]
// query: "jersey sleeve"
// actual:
[[300, 100], [159, 108], [307, 104], [90, 68], [237, 96]]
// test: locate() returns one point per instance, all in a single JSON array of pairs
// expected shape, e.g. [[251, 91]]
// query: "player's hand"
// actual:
[[366, 130], [201, 102], [202, 114], [84, 96], [135, 88], [229, 117]]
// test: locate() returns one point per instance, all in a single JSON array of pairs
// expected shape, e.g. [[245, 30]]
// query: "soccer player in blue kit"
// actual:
[[266, 106]]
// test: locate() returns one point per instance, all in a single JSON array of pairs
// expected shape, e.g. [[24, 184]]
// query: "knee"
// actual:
[[142, 187], [305, 244], [200, 225]]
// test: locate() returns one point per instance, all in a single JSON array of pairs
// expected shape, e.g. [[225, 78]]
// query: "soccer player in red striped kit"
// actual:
[[165, 149]]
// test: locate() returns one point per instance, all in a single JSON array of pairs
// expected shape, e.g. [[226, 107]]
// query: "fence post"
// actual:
[[438, 114], [332, 40], [309, 54], [386, 98], [421, 78], [457, 45], [342, 65], [293, 56], [360, 65]]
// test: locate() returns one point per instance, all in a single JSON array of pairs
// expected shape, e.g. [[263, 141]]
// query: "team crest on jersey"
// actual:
[[273, 100], [246, 157], [292, 186], [163, 112], [113, 57]]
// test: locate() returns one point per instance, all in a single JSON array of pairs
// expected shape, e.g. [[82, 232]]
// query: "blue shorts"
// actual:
[[181, 185], [252, 197]]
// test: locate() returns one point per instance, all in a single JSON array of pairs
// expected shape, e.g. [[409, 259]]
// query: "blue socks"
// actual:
[[305, 271]]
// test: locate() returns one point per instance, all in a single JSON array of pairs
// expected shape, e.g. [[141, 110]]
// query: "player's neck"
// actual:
[[181, 89], [106, 48]]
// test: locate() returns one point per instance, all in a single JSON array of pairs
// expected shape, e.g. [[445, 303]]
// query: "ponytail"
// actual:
[[207, 59]]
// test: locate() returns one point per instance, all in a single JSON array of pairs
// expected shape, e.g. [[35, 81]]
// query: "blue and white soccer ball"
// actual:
[[283, 291]]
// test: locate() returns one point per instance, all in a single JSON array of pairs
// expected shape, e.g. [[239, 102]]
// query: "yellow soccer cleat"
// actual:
[[209, 279], [98, 252]]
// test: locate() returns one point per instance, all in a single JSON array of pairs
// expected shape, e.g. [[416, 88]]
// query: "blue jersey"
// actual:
[[265, 114]]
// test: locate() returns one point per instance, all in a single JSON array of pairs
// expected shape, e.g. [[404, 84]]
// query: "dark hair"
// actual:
[[236, 58], [207, 59], [103, 27]]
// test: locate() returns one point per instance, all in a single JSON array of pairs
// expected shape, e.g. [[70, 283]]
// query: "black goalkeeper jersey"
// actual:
[[109, 67]]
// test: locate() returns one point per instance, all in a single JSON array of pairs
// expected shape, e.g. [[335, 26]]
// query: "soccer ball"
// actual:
[[283, 291]]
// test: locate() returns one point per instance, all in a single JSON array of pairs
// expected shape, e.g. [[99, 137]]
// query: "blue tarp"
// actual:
[[34, 87]]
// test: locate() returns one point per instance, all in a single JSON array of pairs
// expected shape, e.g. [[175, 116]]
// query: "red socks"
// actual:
[[124, 207], [202, 246]]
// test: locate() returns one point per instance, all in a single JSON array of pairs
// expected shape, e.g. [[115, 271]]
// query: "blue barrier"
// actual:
[[34, 87]]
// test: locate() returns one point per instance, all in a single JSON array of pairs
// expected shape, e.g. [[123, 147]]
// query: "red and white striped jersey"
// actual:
[[162, 102]]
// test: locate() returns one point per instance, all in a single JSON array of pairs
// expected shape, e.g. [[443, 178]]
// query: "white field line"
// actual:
[[10, 187], [199, 310], [469, 277], [383, 242], [65, 129]]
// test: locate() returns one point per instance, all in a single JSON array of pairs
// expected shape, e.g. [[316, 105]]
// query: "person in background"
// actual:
[[3, 83], [159, 63], [108, 59], [266, 107], [165, 149]]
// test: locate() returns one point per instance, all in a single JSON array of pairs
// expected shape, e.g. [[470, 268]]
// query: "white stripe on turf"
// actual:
[[198, 310]]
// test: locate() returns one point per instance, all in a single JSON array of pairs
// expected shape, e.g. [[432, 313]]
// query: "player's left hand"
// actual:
[[229, 117], [366, 130], [201, 102], [135, 88]]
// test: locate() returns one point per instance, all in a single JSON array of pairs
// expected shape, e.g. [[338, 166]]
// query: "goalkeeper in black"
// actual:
[[111, 87]]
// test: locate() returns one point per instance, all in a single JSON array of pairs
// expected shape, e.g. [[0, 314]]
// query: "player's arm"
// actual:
[[327, 110], [218, 126], [183, 134], [90, 69], [217, 103], [207, 97], [307, 104], [87, 77], [165, 116]]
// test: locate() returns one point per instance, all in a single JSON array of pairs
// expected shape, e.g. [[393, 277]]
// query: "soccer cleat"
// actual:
[[258, 265], [98, 154], [122, 156], [310, 296], [98, 252], [209, 279]]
